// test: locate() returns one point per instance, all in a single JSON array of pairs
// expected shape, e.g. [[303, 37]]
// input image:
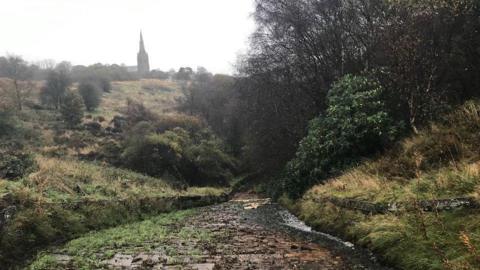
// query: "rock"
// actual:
[[7, 214], [62, 259], [203, 266], [120, 261]]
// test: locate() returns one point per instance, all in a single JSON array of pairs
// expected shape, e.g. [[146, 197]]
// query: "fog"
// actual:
[[209, 33]]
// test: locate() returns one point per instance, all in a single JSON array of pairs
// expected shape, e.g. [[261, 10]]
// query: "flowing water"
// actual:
[[274, 216]]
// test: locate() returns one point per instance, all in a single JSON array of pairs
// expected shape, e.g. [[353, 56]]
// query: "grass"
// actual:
[[415, 240], [442, 161], [65, 197], [158, 95], [63, 180], [108, 197], [460, 180], [91, 250]]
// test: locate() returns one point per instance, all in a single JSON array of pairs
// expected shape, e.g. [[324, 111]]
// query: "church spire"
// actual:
[[142, 45], [143, 65]]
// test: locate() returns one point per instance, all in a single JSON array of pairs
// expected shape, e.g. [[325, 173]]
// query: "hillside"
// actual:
[[439, 163], [58, 182]]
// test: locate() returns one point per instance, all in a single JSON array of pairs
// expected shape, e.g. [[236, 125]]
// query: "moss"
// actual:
[[91, 250]]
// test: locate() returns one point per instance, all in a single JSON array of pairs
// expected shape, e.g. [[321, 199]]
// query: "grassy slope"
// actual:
[[158, 95], [440, 162], [65, 180], [61, 177]]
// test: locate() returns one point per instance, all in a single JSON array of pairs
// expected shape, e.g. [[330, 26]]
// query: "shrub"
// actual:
[[196, 159], [104, 83], [91, 94], [156, 154], [55, 89], [15, 164], [449, 141], [7, 123], [171, 121], [356, 124], [72, 109], [137, 112]]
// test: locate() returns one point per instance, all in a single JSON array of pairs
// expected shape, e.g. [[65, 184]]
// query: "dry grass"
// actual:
[[443, 161], [152, 93], [70, 180], [451, 181]]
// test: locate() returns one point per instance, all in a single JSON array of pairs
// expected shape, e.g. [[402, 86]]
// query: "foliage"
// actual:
[[18, 90], [55, 89], [439, 162], [356, 124], [197, 158], [99, 196], [72, 109], [15, 164], [136, 112], [7, 123], [423, 53], [101, 73], [91, 95], [215, 99]]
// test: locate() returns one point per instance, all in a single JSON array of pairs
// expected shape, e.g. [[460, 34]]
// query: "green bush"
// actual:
[[7, 124], [196, 159], [15, 164], [91, 94], [72, 109], [356, 124]]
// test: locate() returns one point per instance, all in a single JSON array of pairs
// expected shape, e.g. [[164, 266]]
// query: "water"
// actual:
[[274, 216], [292, 221]]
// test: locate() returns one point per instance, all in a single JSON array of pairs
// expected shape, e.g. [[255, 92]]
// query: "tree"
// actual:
[[356, 124], [215, 99], [431, 50], [72, 108], [19, 89], [297, 51], [184, 74], [55, 88], [91, 94]]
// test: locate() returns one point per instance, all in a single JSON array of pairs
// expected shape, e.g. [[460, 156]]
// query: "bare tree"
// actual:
[[20, 87]]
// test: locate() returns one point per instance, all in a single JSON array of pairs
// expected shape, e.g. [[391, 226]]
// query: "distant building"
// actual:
[[132, 69], [143, 65]]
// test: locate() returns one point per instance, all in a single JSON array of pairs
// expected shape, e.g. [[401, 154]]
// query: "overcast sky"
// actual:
[[207, 33]]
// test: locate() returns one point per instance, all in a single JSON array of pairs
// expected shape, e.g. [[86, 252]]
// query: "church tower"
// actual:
[[143, 65]]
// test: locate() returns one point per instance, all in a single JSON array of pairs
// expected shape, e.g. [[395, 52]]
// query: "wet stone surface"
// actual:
[[239, 240]]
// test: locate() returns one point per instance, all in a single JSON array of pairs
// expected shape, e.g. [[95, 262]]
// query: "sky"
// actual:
[[208, 33]]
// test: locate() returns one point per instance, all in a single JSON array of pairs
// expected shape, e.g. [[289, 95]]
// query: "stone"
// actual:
[[203, 266]]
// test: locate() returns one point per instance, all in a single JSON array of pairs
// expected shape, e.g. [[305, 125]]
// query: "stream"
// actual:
[[274, 216], [241, 234]]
